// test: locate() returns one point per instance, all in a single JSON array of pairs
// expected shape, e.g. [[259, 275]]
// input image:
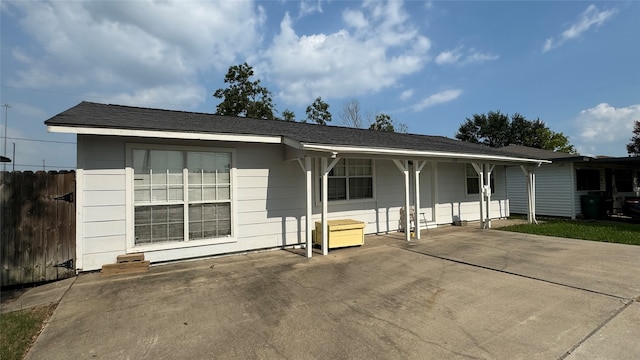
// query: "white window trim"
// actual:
[[317, 184], [466, 186], [129, 193]]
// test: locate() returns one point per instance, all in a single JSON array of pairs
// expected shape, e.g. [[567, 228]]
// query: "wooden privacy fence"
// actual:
[[38, 227]]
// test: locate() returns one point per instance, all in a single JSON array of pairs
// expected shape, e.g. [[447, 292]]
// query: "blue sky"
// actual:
[[429, 65]]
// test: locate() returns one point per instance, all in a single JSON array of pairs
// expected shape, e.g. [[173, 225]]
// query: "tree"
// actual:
[[319, 112], [351, 115], [244, 97], [633, 148], [383, 123], [496, 129], [288, 115]]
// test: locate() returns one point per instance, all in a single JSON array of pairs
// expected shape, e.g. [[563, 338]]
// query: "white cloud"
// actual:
[[448, 57], [605, 130], [439, 98], [309, 7], [406, 95], [137, 46], [378, 47], [590, 17], [461, 57]]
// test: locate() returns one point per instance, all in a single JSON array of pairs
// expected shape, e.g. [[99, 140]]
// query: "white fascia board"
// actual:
[[291, 143], [418, 153], [166, 134]]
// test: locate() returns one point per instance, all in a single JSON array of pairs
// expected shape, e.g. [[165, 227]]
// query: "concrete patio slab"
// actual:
[[596, 266], [385, 300]]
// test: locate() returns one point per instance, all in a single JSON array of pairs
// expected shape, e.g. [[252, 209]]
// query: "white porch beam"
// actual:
[[404, 169]]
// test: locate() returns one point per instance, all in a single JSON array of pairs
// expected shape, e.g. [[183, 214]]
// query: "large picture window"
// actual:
[[181, 195], [350, 179], [472, 178]]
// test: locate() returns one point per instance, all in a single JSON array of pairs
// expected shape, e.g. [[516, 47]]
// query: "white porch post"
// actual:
[[306, 168], [480, 171], [309, 247], [489, 168], [531, 193], [434, 192], [404, 168], [325, 189], [417, 167]]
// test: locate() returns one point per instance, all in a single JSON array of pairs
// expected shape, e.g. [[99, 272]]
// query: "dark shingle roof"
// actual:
[[534, 153], [93, 115]]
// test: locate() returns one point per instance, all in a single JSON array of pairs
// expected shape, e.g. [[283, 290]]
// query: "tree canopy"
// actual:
[[383, 123], [318, 112], [243, 96], [633, 148], [496, 129], [351, 114], [288, 115]]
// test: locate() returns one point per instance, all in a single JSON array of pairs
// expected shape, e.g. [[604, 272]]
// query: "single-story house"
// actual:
[[560, 184], [176, 185]]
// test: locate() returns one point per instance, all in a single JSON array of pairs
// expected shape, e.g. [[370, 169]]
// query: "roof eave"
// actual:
[[165, 134], [337, 149]]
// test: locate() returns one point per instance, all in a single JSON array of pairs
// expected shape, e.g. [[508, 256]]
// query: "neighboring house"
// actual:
[[177, 185], [560, 185]]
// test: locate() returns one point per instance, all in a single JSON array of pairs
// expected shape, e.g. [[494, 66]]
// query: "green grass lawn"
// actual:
[[608, 231], [19, 330]]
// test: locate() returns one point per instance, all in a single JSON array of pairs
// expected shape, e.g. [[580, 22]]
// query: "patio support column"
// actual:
[[306, 168], [480, 171], [434, 192], [325, 189], [531, 192], [404, 168], [417, 167], [489, 169]]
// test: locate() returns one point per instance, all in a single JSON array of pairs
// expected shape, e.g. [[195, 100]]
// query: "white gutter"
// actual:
[[417, 153], [166, 134]]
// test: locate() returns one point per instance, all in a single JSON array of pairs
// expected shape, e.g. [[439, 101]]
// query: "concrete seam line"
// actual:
[[583, 340], [512, 273]]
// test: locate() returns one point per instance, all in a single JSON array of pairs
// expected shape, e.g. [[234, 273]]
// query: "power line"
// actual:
[[46, 141], [46, 166]]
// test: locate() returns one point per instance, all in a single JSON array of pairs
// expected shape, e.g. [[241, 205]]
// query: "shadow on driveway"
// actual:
[[451, 295]]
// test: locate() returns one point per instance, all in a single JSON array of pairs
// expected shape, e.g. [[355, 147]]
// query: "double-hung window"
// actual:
[[181, 195], [351, 179], [472, 178]]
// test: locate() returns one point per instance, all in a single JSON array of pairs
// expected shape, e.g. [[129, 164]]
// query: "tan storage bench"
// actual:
[[342, 233]]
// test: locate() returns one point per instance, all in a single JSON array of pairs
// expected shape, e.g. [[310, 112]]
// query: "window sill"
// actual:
[[180, 244], [346, 202]]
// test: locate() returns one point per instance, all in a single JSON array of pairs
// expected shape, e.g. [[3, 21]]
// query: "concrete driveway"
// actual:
[[464, 294]]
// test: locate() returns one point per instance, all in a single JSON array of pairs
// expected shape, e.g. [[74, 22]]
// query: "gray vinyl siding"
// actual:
[[553, 190], [455, 204], [269, 204], [103, 234]]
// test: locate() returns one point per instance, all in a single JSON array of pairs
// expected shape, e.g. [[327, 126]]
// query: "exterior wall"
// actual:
[[381, 214], [269, 200], [554, 187], [269, 204], [455, 204]]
